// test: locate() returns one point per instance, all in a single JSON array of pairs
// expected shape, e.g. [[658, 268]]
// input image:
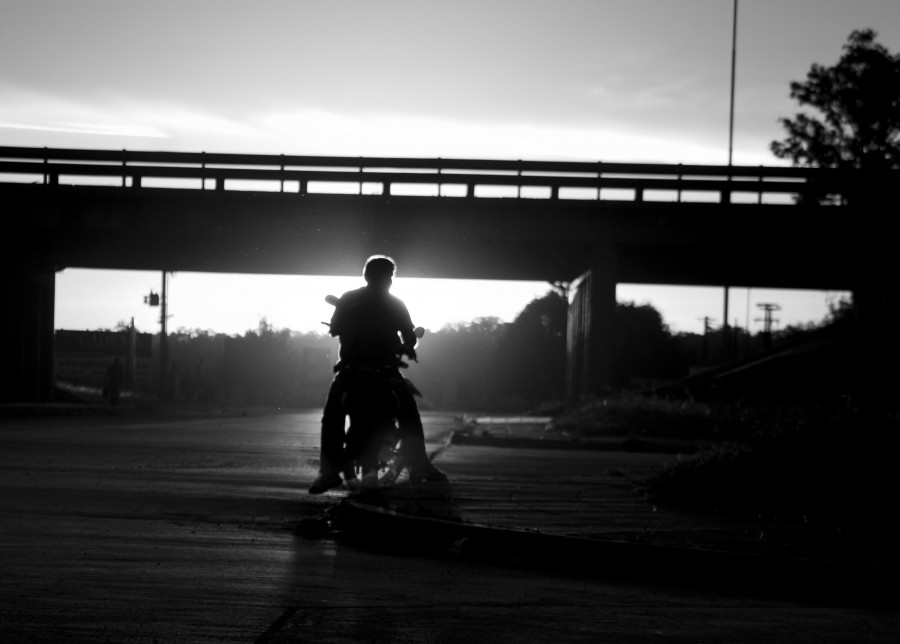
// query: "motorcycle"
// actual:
[[373, 446]]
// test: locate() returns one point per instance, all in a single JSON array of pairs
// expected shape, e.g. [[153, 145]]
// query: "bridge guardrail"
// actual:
[[132, 169]]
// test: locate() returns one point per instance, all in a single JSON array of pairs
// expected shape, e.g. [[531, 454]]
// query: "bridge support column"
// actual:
[[877, 345], [26, 332], [591, 320]]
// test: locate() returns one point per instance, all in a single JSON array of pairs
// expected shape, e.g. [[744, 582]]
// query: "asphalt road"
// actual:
[[128, 529]]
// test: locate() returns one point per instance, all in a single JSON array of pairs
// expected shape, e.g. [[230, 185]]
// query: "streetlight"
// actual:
[[733, 66], [154, 299], [726, 332]]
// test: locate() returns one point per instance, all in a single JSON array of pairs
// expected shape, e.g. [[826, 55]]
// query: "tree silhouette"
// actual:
[[858, 101], [645, 347], [455, 364], [531, 354]]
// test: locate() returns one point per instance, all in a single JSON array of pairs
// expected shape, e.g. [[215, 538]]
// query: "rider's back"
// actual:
[[368, 321]]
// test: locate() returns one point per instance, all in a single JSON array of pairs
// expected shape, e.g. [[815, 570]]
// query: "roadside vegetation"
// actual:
[[826, 461], [796, 433], [826, 454], [811, 468], [812, 437]]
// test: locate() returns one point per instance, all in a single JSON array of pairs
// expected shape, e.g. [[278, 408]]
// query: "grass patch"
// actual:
[[636, 416], [826, 461], [809, 477]]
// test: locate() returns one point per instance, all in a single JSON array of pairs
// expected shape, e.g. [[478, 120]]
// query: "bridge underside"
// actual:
[[48, 228], [525, 239]]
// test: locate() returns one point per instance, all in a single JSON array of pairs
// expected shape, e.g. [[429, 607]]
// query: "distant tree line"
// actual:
[[265, 366], [480, 365]]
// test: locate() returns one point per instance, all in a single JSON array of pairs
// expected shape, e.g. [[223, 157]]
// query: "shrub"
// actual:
[[637, 415]]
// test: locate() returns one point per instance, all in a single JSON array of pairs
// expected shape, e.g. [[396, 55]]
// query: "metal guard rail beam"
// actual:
[[51, 163]]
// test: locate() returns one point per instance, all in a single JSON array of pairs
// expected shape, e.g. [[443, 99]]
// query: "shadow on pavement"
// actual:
[[425, 520]]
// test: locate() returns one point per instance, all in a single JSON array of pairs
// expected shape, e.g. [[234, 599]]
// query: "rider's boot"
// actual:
[[428, 473], [326, 480], [350, 477], [369, 479], [421, 467]]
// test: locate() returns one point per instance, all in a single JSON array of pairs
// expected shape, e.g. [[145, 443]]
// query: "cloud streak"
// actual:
[[575, 79], [92, 129]]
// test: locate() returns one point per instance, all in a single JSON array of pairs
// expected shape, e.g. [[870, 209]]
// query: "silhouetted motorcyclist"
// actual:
[[374, 327]]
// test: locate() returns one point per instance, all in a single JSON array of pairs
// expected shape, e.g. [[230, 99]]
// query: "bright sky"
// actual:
[[644, 80], [234, 304]]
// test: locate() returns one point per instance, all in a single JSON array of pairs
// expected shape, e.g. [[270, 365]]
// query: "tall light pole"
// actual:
[[733, 67], [726, 332]]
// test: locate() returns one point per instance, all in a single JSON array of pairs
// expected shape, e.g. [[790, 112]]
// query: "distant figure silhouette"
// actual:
[[113, 382], [374, 327]]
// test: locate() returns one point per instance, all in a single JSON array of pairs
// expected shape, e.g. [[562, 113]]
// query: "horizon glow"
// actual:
[[233, 304]]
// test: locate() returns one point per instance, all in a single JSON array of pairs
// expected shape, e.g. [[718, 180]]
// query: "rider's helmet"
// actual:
[[379, 268]]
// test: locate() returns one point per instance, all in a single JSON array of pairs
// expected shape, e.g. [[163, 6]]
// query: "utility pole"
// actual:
[[706, 328], [132, 355], [153, 300], [726, 331], [767, 321], [163, 340]]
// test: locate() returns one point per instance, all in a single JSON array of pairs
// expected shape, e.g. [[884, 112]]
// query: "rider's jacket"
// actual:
[[373, 325]]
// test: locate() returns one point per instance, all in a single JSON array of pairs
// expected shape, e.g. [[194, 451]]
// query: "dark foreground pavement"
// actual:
[[129, 529], [583, 512]]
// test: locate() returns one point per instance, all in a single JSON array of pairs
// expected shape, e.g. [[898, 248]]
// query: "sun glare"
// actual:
[[234, 304]]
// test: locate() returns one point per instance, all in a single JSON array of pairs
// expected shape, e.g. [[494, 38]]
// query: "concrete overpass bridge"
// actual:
[[591, 225]]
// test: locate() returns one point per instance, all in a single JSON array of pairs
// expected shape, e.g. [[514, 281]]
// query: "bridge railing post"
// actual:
[[680, 180], [599, 178], [725, 193], [51, 177], [759, 192]]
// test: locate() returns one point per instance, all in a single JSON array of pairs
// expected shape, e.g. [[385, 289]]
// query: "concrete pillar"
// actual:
[[591, 323], [27, 295], [877, 345]]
